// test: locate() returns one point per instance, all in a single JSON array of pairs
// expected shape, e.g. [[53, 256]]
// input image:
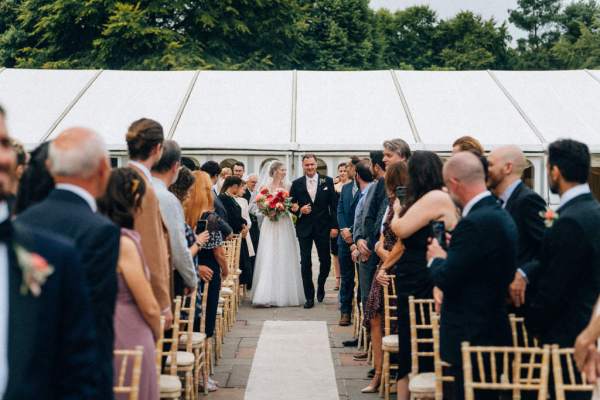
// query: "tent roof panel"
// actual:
[[117, 98], [34, 99], [447, 105], [238, 110], [559, 103], [349, 110]]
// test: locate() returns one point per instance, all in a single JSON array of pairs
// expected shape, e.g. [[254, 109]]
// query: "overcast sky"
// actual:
[[449, 8]]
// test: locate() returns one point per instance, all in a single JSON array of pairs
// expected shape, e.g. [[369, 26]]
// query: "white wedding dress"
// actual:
[[277, 275]]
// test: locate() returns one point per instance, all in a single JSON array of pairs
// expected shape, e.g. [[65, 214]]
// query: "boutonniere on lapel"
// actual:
[[35, 269], [549, 216], [323, 181]]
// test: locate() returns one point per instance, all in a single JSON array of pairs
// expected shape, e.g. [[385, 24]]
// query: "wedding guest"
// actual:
[[225, 173], [239, 170], [36, 182], [426, 201], [199, 207], [137, 314], [469, 143], [251, 182], [480, 263], [213, 169], [254, 229], [243, 203], [78, 161], [144, 144], [229, 193], [586, 353], [164, 173], [567, 285], [340, 181], [345, 215], [342, 177], [506, 166], [48, 340], [396, 175]]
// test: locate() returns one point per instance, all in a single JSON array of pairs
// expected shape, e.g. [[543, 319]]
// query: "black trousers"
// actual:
[[323, 244]]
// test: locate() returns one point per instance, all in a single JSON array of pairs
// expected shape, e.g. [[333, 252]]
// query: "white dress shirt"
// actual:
[[81, 192], [144, 170], [4, 306], [311, 186], [575, 191], [467, 208]]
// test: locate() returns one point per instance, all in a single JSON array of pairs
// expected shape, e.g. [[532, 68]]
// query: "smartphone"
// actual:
[[401, 193], [201, 227], [438, 231]]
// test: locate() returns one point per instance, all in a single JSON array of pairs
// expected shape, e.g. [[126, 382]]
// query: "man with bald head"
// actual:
[[78, 161], [475, 272], [506, 167]]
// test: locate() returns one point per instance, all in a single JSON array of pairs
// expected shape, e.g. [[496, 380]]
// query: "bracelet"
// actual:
[[199, 245]]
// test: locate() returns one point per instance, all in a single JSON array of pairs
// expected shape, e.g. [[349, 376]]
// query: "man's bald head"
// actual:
[[510, 154], [76, 153], [464, 167]]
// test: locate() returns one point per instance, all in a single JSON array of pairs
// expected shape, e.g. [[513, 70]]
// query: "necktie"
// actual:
[[5, 230], [312, 189]]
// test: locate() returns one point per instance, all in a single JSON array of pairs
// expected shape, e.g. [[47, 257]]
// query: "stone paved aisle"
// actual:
[[240, 345]]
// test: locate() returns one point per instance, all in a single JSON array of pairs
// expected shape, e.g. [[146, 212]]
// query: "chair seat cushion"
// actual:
[[169, 384], [197, 338], [390, 343], [184, 359], [226, 291], [422, 383], [219, 311]]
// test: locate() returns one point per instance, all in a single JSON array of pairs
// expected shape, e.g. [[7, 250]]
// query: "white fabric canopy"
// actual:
[[308, 111]]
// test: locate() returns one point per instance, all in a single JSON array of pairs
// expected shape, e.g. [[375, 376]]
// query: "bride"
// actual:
[[277, 274]]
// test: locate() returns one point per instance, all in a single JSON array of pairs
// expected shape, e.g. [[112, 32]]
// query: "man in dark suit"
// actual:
[[505, 168], [239, 170], [79, 164], [315, 204], [569, 280], [475, 272], [46, 328], [213, 170], [345, 217]]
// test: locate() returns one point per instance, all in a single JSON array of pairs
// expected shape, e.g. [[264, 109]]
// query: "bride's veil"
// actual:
[[264, 180]]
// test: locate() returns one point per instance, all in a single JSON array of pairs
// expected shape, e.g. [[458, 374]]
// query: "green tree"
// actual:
[[539, 19], [582, 12]]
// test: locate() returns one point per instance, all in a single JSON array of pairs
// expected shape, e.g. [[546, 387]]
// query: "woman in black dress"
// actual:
[[229, 192], [426, 202]]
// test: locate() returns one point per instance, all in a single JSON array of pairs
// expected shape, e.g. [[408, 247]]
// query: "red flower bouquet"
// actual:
[[274, 205]]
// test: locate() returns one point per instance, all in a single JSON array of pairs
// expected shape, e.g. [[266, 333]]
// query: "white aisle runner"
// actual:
[[292, 361]]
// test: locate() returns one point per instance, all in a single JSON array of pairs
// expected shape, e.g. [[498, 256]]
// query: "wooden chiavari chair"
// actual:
[[520, 337], [570, 380], [513, 369], [184, 361], [355, 305], [133, 389], [169, 383], [421, 384], [390, 340], [438, 364]]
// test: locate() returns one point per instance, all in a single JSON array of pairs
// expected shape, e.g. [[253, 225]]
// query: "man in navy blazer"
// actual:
[[475, 272], [46, 327], [345, 216], [78, 161]]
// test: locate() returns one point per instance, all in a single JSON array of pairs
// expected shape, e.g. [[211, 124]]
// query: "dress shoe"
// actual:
[[345, 320], [309, 304], [320, 294], [350, 343], [360, 356], [374, 385]]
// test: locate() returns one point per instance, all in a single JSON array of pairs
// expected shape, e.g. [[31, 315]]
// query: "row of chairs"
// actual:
[[187, 358], [522, 367]]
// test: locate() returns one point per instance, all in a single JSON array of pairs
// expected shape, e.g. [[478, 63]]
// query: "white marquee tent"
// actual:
[[254, 116]]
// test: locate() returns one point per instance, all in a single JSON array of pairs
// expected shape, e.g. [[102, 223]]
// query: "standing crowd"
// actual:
[[469, 234], [92, 257]]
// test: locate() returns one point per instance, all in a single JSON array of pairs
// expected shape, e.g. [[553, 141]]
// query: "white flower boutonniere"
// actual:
[[322, 181], [35, 269], [549, 216]]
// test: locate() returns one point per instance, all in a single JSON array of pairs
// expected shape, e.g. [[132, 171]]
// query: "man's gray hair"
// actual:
[[399, 147], [77, 161]]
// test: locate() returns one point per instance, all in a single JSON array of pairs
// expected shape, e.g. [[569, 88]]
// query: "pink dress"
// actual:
[[131, 330]]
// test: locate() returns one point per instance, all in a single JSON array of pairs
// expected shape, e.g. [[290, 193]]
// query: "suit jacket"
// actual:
[[347, 205], [155, 244], [97, 239], [569, 281], [481, 263], [524, 206], [51, 338], [234, 212], [324, 209], [374, 213]]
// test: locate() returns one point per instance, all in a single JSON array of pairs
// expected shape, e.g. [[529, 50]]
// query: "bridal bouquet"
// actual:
[[274, 205]]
